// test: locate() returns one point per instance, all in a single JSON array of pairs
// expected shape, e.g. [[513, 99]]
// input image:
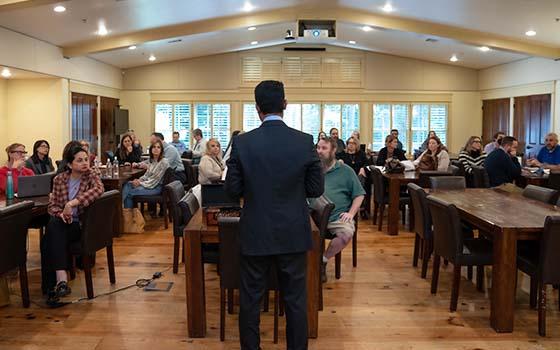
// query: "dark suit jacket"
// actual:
[[501, 167], [275, 169]]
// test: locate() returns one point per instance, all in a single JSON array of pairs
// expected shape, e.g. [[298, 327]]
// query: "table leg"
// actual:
[[119, 227], [194, 273], [313, 285], [393, 215], [503, 281]]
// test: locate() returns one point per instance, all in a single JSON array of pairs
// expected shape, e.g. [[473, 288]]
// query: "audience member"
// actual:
[[85, 145], [227, 153], [135, 139], [353, 157], [390, 151], [40, 162], [61, 165], [340, 147], [424, 146], [171, 154], [395, 133], [211, 165], [178, 144], [199, 147], [495, 144], [343, 188], [16, 165], [472, 154], [502, 164], [356, 135], [128, 152], [434, 158], [549, 155], [151, 182], [73, 190]]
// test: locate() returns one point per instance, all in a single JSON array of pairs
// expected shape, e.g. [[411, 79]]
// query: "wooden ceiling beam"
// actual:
[[292, 14]]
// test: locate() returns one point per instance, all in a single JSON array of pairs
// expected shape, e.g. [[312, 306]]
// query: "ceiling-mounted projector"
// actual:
[[289, 35], [317, 29]]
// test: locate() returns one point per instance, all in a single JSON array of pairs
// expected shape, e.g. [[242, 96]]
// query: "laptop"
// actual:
[[35, 186], [215, 196]]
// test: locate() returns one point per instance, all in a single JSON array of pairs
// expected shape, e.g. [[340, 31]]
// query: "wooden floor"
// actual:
[[383, 304]]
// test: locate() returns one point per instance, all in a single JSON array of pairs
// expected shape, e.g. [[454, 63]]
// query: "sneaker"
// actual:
[[62, 289], [324, 272]]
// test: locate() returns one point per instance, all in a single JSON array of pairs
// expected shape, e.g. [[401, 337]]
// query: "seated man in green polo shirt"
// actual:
[[343, 188]]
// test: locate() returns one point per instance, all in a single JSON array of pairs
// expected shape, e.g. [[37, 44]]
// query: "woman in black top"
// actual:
[[40, 162], [390, 151], [129, 153], [353, 157]]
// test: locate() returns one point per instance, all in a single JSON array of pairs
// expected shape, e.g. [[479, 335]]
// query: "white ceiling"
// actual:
[[505, 17]]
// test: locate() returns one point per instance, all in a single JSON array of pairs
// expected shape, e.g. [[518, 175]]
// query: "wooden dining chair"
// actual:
[[450, 244], [480, 177], [542, 266], [543, 194], [425, 175], [160, 199], [175, 192], [423, 239], [448, 183], [381, 198]]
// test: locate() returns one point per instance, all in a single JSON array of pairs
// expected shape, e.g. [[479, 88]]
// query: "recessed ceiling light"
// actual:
[[484, 48], [454, 58], [367, 28], [388, 7], [132, 47], [59, 8], [251, 28], [152, 58], [248, 7], [352, 42], [254, 42], [530, 33], [102, 30], [6, 73]]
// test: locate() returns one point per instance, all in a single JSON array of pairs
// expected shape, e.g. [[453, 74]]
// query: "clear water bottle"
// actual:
[[116, 168], [9, 186], [109, 169]]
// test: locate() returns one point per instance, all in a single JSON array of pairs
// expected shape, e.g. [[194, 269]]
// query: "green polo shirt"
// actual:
[[341, 187]]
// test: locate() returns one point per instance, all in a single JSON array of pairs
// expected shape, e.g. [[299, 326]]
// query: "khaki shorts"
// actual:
[[339, 228]]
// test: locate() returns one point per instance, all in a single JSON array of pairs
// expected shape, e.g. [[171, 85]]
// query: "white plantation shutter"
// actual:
[[251, 118], [342, 72], [164, 119], [182, 121], [221, 123], [251, 70]]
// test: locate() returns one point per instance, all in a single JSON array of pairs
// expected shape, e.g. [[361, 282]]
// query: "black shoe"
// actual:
[[324, 272], [62, 289]]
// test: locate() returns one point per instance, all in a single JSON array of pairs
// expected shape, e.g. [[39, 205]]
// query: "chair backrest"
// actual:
[[321, 209], [189, 172], [175, 192], [230, 251], [188, 206], [543, 194], [454, 170], [98, 222], [480, 177], [14, 221], [169, 176], [195, 174], [187, 154], [379, 190], [448, 183], [422, 218], [554, 181], [425, 175], [448, 235], [549, 257], [460, 167]]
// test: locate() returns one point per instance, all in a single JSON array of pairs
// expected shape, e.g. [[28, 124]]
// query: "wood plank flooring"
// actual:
[[382, 304]]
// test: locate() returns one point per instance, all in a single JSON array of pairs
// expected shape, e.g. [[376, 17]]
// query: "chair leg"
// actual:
[[533, 293], [435, 274], [355, 248], [428, 249], [375, 210], [337, 264], [275, 340], [281, 310], [165, 216], [542, 309], [222, 314], [176, 241], [87, 272], [72, 271], [480, 278], [416, 249], [469, 273], [455, 287], [111, 264], [266, 301], [230, 301], [381, 210], [183, 251], [24, 284], [445, 262], [403, 213]]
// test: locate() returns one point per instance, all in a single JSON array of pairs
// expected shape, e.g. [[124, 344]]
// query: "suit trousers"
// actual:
[[291, 271]]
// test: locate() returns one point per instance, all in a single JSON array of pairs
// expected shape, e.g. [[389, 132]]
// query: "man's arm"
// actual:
[[314, 177], [234, 177], [354, 209]]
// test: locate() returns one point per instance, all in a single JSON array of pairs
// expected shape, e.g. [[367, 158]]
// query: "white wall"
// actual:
[[3, 118]]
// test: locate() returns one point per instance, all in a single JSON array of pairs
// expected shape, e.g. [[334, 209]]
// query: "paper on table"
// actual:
[[408, 165]]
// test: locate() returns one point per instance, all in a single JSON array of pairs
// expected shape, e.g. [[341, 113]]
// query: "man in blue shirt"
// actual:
[[178, 143], [549, 155]]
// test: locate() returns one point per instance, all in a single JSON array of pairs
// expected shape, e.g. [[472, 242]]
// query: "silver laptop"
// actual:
[[35, 186]]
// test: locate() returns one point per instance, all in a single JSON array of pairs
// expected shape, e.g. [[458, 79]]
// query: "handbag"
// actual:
[[133, 221], [394, 166]]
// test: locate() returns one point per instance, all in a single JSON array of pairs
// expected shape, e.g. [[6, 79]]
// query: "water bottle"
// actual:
[[116, 168], [109, 170], [9, 186]]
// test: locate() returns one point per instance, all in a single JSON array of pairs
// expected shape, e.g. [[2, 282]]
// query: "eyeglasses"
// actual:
[[477, 141], [44, 146], [547, 140], [19, 152]]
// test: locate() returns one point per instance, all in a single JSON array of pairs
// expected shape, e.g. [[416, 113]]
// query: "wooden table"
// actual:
[[528, 178], [197, 233], [507, 217], [111, 182], [395, 183], [39, 208]]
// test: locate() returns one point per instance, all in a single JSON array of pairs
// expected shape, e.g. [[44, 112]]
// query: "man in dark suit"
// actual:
[[502, 164], [275, 169]]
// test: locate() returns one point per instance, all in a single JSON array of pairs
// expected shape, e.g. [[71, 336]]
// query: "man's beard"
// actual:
[[327, 162]]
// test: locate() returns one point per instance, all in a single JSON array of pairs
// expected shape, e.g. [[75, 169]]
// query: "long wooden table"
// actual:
[[40, 203], [196, 233], [508, 217], [395, 183]]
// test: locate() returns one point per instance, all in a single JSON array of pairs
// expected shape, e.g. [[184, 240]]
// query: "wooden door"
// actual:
[[495, 117], [531, 122], [84, 119], [109, 140]]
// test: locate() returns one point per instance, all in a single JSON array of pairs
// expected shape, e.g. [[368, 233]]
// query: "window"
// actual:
[[344, 117], [311, 119], [413, 121], [212, 119], [250, 117]]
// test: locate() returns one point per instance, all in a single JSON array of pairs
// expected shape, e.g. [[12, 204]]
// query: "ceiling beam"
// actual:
[[8, 5], [292, 14]]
